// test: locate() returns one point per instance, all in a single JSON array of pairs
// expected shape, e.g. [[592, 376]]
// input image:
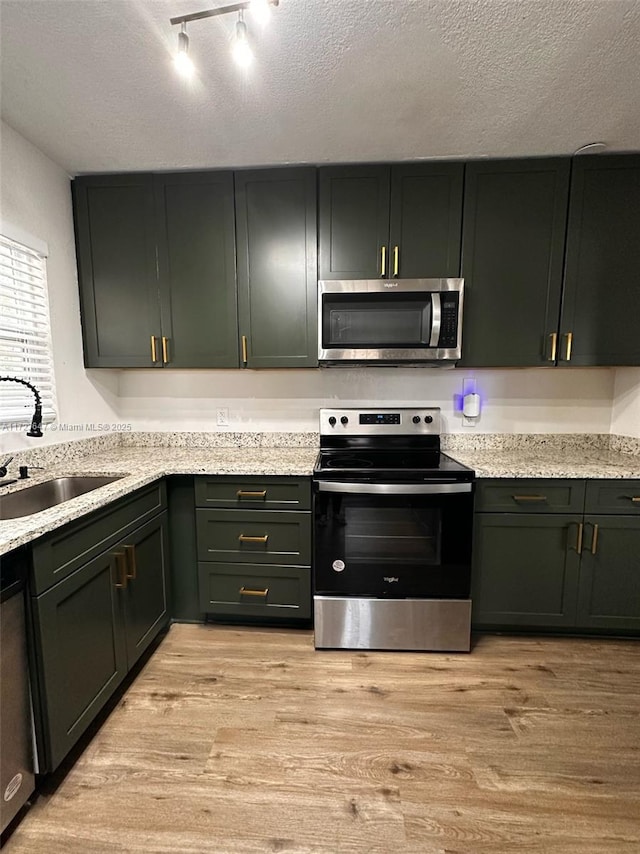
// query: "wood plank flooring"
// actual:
[[247, 740]]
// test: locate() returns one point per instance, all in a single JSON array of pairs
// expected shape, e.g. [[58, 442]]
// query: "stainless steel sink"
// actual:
[[41, 496]]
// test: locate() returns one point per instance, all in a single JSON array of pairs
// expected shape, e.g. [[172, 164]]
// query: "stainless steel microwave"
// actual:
[[393, 322]]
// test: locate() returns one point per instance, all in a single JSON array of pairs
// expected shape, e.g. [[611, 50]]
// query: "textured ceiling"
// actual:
[[90, 82]]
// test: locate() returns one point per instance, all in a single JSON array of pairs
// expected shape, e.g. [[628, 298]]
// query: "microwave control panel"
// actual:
[[449, 321]]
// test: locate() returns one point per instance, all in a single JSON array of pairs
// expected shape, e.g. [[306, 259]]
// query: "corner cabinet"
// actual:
[[116, 255], [600, 322], [387, 221], [512, 260], [99, 600], [277, 268], [552, 554]]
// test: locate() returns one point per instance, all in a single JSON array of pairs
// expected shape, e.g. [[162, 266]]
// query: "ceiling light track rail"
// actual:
[[212, 13]]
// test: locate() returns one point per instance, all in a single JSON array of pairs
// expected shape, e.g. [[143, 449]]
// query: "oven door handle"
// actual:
[[394, 488]]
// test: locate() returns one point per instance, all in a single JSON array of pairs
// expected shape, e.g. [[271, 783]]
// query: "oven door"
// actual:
[[393, 540]]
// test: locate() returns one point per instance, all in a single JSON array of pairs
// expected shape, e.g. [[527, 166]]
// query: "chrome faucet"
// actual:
[[36, 421]]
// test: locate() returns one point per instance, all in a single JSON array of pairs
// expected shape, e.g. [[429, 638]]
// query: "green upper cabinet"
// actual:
[[512, 255], [388, 221], [196, 266], [277, 267], [116, 254], [601, 306]]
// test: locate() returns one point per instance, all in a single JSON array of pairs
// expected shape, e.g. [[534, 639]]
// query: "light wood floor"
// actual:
[[247, 740]]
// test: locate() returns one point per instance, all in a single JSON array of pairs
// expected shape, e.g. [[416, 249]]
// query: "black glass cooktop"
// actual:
[[409, 463]]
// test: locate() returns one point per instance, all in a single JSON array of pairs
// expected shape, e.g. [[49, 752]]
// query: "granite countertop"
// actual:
[[139, 467], [144, 458]]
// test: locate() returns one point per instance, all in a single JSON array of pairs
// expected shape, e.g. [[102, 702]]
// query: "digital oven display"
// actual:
[[380, 418]]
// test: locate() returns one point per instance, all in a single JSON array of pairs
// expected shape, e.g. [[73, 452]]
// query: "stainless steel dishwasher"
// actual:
[[16, 740]]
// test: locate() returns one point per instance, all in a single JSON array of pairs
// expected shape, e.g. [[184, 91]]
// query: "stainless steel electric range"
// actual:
[[393, 521]]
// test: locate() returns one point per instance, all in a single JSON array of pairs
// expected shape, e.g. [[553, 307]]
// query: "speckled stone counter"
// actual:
[[142, 458], [141, 466]]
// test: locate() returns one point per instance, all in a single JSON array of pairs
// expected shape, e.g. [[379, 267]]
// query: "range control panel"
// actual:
[[405, 421]]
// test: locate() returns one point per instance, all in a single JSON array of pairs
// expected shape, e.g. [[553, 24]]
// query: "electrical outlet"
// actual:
[[222, 416]]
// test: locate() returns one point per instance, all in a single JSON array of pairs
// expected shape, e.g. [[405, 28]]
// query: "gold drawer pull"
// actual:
[[580, 534], [132, 572], [154, 352], [554, 346], [635, 499], [529, 497], [263, 593], [569, 343], [244, 349], [383, 260], [165, 349], [243, 538], [594, 541], [243, 493], [121, 570], [396, 260]]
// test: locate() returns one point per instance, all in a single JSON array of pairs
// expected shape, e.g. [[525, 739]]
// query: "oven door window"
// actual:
[[378, 321], [393, 545], [391, 535]]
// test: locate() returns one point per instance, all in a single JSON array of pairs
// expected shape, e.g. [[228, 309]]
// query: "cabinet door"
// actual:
[[277, 267], [196, 256], [512, 253], [601, 304], [116, 254], [525, 570], [426, 220], [609, 591], [354, 222], [80, 651], [145, 594]]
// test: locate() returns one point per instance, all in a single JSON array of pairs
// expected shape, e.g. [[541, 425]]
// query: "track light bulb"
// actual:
[[241, 49], [261, 11], [182, 61]]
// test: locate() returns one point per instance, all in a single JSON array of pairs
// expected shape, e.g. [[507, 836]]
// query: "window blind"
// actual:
[[25, 335]]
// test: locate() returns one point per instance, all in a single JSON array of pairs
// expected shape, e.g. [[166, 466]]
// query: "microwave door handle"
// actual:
[[394, 488], [436, 318]]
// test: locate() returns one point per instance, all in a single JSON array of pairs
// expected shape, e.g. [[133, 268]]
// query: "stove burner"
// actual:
[[348, 462]]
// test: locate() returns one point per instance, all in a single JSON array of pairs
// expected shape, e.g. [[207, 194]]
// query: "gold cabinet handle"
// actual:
[[243, 493], [245, 592], [529, 497], [165, 349], [594, 540], [383, 260], [132, 567], [121, 570], [154, 352], [396, 260], [568, 343], [579, 542], [243, 538], [244, 349], [635, 499], [554, 346]]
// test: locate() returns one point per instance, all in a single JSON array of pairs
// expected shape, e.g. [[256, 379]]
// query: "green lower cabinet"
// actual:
[[144, 599], [91, 628], [255, 591], [525, 570], [609, 591], [255, 536], [81, 652]]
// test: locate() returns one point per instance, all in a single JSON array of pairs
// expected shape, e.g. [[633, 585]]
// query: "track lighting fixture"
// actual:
[[240, 48], [182, 60]]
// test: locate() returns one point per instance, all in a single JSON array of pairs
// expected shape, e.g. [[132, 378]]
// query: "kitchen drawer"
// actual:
[[521, 495], [613, 496], [280, 536], [269, 493], [59, 554], [251, 590]]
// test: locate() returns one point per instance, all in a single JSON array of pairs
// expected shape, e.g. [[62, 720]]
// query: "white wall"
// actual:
[[553, 400], [625, 416], [35, 197]]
